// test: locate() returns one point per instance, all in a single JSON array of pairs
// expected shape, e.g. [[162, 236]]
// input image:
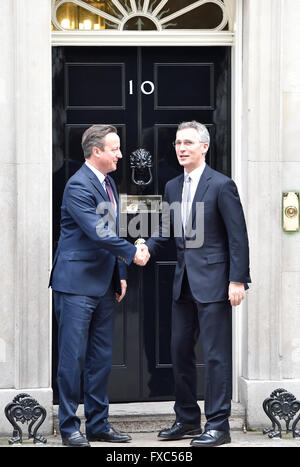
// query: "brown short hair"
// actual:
[[94, 136]]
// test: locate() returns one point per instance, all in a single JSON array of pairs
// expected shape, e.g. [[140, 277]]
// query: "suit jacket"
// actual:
[[224, 254], [89, 256]]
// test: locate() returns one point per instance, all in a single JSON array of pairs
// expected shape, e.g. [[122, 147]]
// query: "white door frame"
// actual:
[[143, 38], [190, 38]]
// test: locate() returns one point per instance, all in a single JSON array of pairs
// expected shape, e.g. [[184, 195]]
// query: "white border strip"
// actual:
[[143, 38], [237, 174]]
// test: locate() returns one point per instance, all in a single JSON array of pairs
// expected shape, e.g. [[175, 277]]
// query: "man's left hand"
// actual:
[[236, 293], [123, 290]]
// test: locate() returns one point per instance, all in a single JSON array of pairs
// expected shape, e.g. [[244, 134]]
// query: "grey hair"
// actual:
[[94, 136], [200, 128]]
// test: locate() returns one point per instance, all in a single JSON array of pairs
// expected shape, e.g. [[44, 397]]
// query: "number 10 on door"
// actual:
[[147, 87]]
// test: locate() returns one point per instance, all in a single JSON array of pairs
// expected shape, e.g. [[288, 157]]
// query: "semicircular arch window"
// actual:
[[142, 15]]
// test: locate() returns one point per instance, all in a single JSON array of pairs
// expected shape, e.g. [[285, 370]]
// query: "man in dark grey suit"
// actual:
[[211, 276]]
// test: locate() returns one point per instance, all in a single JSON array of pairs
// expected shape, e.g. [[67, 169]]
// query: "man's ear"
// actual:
[[96, 151]]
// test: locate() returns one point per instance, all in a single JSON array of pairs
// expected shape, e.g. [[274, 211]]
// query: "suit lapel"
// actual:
[[95, 182], [100, 189], [203, 184], [177, 195], [201, 189]]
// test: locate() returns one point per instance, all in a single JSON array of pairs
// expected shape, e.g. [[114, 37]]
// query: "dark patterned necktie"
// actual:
[[110, 192]]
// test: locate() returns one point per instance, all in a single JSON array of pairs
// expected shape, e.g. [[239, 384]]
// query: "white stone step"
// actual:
[[146, 417]]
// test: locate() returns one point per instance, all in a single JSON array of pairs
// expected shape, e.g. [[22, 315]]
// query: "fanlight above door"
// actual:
[[143, 15]]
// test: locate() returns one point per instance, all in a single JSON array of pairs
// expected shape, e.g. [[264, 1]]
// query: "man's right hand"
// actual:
[[142, 255]]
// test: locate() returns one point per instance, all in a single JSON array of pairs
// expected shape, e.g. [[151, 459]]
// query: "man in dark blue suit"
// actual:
[[88, 276], [211, 275]]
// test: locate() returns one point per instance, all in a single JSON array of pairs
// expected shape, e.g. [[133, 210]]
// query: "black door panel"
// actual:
[[145, 92]]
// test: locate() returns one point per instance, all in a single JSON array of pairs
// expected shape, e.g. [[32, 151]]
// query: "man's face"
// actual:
[[189, 150], [107, 159]]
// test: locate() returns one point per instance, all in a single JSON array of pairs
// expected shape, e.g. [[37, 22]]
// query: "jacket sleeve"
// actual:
[[122, 269], [95, 222], [233, 217]]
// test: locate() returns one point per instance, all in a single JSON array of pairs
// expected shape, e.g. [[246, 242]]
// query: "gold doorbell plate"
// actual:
[[290, 211]]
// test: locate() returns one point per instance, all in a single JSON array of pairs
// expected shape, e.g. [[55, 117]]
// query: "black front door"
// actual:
[[145, 92]]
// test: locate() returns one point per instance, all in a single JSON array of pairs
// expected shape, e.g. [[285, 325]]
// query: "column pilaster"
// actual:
[[25, 240]]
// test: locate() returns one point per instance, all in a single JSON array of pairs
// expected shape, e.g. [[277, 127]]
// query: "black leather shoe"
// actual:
[[179, 430], [211, 438], [110, 436], [76, 440]]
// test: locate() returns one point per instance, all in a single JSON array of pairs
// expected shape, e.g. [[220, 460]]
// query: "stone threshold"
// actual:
[[148, 417]]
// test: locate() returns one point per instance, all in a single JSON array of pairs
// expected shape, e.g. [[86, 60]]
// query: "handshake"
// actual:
[[142, 254]]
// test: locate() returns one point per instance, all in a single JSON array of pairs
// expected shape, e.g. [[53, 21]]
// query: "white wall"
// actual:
[[271, 80], [25, 201], [290, 95]]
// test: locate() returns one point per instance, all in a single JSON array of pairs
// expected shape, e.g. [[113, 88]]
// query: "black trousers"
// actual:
[[212, 321]]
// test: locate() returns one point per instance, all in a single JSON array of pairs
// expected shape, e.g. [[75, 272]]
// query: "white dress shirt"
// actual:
[[98, 174], [195, 176]]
